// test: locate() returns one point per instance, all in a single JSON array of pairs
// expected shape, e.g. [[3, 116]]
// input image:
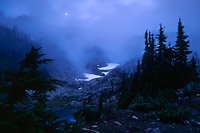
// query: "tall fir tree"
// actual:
[[29, 77], [161, 43], [124, 97], [145, 57], [160, 74], [169, 54], [28, 85], [148, 61], [146, 41], [182, 45], [137, 77], [152, 50], [181, 53], [193, 70], [168, 67]]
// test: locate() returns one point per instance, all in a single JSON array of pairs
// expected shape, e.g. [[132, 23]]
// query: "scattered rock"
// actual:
[[90, 130], [117, 123], [153, 123], [134, 117], [134, 129], [94, 126], [148, 130], [156, 130], [186, 122], [180, 92], [198, 123], [183, 99]]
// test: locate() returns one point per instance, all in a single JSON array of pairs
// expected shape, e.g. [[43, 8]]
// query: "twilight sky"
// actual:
[[115, 26]]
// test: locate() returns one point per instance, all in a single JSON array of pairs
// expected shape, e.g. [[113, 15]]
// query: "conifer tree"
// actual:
[[169, 54], [124, 93], [168, 68], [161, 43], [29, 77], [145, 58], [36, 118], [182, 45], [137, 77], [138, 67], [181, 52], [148, 61], [160, 72], [146, 41], [193, 70], [152, 50]]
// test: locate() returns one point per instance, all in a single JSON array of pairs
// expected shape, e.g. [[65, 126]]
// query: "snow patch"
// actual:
[[89, 77], [30, 92], [106, 70], [80, 88], [109, 66], [106, 73]]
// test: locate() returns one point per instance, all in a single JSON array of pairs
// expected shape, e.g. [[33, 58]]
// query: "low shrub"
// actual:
[[139, 104], [88, 114], [74, 127], [155, 101], [172, 114]]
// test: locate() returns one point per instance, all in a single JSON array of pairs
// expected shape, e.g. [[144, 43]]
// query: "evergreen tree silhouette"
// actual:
[[161, 76], [193, 70], [182, 46], [152, 50], [161, 44], [182, 51], [145, 58], [29, 77]]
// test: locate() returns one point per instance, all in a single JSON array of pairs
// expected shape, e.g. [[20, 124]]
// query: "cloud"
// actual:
[[115, 26]]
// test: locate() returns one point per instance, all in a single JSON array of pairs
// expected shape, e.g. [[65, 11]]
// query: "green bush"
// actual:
[[156, 103], [88, 114], [139, 104], [74, 127], [172, 114]]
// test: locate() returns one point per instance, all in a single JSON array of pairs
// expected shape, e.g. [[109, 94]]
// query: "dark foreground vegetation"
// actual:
[[147, 101]]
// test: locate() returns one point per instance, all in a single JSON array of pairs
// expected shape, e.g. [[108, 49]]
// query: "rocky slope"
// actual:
[[126, 121]]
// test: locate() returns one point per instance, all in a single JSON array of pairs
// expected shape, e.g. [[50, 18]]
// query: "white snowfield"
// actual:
[[89, 77], [109, 66], [106, 73]]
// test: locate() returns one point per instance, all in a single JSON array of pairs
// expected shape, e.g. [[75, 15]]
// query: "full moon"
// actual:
[[66, 14]]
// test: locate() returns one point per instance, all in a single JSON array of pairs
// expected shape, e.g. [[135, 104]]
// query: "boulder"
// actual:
[[117, 123], [94, 126], [134, 117]]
